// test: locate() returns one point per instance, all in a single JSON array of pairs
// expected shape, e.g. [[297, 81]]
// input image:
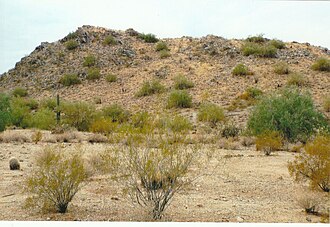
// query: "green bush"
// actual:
[[43, 119], [55, 179], [49, 104], [93, 74], [5, 111], [289, 112], [249, 97], [322, 64], [141, 120], [161, 46], [297, 79], [150, 88], [179, 99], [78, 115], [164, 54], [70, 79], [278, 44], [20, 112], [148, 38], [256, 39], [71, 35], [116, 113], [111, 78], [269, 141], [89, 61], [210, 112], [259, 50], [110, 40], [230, 130], [281, 68], [20, 92], [326, 103], [241, 70], [71, 44], [181, 82], [175, 124]]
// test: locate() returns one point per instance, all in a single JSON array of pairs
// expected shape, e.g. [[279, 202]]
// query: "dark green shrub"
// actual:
[[164, 54], [116, 113], [278, 44], [241, 70], [256, 39], [93, 74], [5, 111], [43, 119], [148, 38], [70, 79], [71, 44], [150, 88], [20, 92], [179, 99], [78, 115], [161, 46], [281, 68], [111, 78], [110, 40], [230, 130], [289, 112], [210, 112], [89, 61], [259, 50], [322, 64], [297, 79], [181, 82]]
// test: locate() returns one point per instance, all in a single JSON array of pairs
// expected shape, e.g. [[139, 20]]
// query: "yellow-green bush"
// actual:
[[78, 115], [71, 44], [89, 60], [269, 141], [322, 64], [281, 68], [93, 74], [297, 79], [116, 113], [111, 78], [181, 82], [161, 46], [150, 88], [212, 113], [110, 40], [43, 119], [20, 92], [179, 99], [70, 79], [241, 70], [103, 125]]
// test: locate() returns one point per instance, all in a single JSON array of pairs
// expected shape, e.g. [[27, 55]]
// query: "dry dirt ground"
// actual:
[[247, 187]]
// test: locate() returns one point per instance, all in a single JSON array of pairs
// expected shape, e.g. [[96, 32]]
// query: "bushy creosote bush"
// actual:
[[116, 113], [179, 99], [210, 112], [297, 79], [313, 163], [43, 119], [71, 44], [281, 68], [20, 92], [248, 98], [70, 79], [103, 125], [241, 70], [150, 88], [78, 115], [181, 82], [290, 112], [269, 141], [161, 46], [89, 60], [111, 78], [175, 123], [230, 130], [54, 180], [164, 54], [322, 64], [93, 74], [110, 40], [5, 111], [148, 38]]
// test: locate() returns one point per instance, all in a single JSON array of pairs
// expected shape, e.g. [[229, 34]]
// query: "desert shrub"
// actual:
[[70, 79], [269, 141], [181, 82], [212, 113], [150, 88], [116, 113], [179, 99], [141, 120], [161, 46], [11, 136], [290, 112], [248, 98], [78, 115], [148, 38], [179, 124], [164, 54], [111, 78], [71, 44], [5, 111], [326, 103], [20, 112], [281, 68], [259, 50], [49, 104], [14, 164], [55, 179], [278, 44], [20, 92], [241, 70], [103, 125], [89, 60], [297, 79], [230, 130], [310, 202], [322, 64], [43, 119], [97, 138], [154, 176], [72, 35], [93, 74], [36, 137], [256, 39], [110, 40], [313, 163], [68, 136]]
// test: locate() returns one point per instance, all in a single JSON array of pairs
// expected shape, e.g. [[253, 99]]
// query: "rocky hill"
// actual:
[[207, 61]]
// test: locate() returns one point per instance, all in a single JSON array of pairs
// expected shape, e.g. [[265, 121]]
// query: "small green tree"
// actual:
[[78, 115], [5, 111], [179, 99]]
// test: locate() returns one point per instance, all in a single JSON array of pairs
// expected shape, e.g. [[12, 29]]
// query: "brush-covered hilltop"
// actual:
[[105, 66]]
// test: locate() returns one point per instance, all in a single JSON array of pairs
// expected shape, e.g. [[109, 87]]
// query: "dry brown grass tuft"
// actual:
[[14, 136]]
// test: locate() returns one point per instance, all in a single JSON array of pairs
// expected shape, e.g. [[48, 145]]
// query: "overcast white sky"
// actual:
[[24, 24]]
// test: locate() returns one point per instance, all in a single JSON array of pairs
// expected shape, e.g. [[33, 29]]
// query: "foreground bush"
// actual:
[[179, 99], [21, 111], [103, 126], [20, 92], [269, 141], [70, 79], [290, 112], [322, 64], [181, 82], [313, 163], [297, 79], [55, 180], [5, 111], [326, 103], [212, 113], [150, 88], [116, 113], [175, 124], [43, 119], [78, 115]]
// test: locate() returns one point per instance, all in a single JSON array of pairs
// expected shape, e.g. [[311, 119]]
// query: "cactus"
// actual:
[[14, 164]]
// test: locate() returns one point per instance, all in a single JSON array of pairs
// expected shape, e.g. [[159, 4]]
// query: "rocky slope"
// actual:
[[207, 61]]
